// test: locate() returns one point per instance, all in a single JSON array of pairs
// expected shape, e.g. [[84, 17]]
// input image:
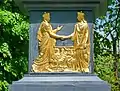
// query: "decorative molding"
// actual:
[[97, 6]]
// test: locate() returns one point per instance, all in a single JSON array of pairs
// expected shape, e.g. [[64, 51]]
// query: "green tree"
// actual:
[[107, 37], [13, 44]]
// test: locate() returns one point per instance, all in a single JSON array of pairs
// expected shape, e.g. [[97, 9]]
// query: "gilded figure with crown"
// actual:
[[81, 40], [47, 39]]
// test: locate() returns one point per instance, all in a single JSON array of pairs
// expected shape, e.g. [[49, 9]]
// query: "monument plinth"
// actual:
[[61, 45]]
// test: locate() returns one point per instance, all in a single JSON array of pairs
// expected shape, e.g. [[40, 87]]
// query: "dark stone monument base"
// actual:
[[60, 82]]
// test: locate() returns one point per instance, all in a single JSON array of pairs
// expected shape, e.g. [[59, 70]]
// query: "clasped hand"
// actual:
[[62, 37]]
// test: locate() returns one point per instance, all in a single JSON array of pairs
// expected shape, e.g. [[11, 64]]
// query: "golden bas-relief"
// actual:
[[54, 58]]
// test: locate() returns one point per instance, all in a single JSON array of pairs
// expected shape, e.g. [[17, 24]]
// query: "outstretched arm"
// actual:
[[71, 35], [53, 35]]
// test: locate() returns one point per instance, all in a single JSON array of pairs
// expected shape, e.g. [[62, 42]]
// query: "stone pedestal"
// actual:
[[60, 82]]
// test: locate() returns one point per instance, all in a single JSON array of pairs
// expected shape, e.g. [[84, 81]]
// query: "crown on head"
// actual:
[[80, 13], [46, 14]]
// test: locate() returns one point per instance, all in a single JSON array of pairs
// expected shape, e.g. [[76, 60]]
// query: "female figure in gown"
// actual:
[[81, 40], [47, 38]]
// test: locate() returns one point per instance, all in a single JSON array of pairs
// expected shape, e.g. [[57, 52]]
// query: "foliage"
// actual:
[[13, 44], [107, 30], [104, 68], [107, 45]]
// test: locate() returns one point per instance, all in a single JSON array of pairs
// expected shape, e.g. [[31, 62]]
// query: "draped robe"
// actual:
[[46, 47], [81, 46]]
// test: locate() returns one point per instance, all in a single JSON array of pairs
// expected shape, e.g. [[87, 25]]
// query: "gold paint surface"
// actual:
[[63, 58]]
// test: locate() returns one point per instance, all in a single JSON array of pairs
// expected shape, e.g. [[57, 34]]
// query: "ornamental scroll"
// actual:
[[54, 58]]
